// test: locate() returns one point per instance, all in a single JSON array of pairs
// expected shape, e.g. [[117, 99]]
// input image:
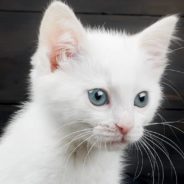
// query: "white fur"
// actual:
[[33, 149]]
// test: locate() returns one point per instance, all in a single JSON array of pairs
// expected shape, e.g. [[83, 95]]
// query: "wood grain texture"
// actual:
[[19, 39], [133, 7]]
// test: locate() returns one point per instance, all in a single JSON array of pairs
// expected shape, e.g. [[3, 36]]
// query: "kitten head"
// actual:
[[103, 85]]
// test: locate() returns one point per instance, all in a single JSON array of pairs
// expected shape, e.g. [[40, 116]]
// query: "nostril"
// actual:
[[123, 130]]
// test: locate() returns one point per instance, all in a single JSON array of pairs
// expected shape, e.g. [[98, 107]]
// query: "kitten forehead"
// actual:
[[115, 46], [117, 53]]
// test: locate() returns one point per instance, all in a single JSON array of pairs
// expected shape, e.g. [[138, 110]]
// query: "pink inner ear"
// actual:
[[53, 62], [65, 49]]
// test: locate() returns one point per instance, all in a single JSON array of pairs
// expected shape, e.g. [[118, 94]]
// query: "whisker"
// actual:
[[142, 163], [158, 142], [169, 124], [76, 138], [152, 156], [149, 147], [170, 127], [88, 152], [69, 156], [171, 163], [168, 141], [79, 145], [162, 119], [73, 133], [165, 122], [162, 167], [153, 174], [137, 156], [174, 50], [177, 71], [174, 90]]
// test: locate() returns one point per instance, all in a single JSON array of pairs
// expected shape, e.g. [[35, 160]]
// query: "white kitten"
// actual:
[[92, 92]]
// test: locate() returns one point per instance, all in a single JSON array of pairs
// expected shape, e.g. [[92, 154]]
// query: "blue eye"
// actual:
[[141, 100], [98, 97]]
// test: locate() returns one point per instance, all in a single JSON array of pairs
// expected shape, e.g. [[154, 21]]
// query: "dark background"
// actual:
[[19, 23]]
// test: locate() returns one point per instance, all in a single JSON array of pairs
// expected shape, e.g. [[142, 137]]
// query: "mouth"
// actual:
[[113, 142], [112, 145], [109, 137]]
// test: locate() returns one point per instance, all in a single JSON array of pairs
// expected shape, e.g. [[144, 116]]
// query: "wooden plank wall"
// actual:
[[19, 23]]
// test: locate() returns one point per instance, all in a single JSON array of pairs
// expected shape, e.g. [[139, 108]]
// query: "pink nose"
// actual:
[[122, 129]]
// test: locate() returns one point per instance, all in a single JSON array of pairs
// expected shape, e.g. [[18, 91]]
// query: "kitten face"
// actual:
[[102, 84]]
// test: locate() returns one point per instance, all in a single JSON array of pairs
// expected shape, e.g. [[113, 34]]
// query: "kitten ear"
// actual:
[[61, 33], [155, 40]]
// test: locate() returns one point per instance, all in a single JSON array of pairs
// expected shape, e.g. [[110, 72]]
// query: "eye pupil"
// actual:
[[142, 99], [98, 95]]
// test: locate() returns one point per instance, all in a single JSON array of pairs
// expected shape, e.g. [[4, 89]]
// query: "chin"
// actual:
[[109, 144]]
